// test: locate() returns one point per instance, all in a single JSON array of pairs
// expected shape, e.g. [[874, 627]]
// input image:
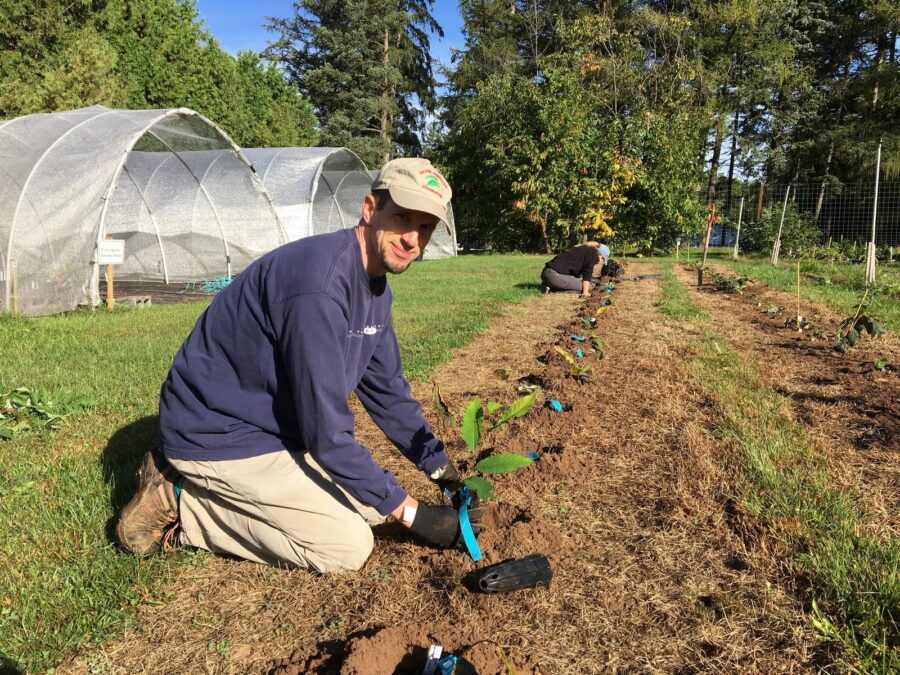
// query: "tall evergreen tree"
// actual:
[[366, 67]]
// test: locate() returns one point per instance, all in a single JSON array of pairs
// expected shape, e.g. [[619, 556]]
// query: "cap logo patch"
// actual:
[[432, 182]]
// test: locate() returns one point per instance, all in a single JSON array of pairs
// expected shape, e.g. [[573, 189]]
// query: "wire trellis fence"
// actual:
[[838, 212]]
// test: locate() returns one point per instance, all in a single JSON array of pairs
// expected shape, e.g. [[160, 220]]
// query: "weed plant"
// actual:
[[63, 582]]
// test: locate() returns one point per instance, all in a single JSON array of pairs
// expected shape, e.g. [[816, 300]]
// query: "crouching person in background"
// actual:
[[572, 270], [256, 456]]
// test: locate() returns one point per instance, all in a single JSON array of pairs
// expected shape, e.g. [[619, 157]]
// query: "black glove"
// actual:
[[447, 479], [439, 524]]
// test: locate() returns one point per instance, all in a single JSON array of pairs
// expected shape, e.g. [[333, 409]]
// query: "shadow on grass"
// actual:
[[9, 667], [121, 459], [535, 286]]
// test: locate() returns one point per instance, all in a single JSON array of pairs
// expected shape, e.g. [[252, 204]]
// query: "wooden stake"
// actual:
[[737, 236], [709, 224]]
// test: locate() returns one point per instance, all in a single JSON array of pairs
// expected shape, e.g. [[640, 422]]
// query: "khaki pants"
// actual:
[[280, 508]]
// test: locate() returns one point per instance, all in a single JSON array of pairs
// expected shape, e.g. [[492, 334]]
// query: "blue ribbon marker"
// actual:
[[465, 498], [556, 405], [580, 338], [533, 455], [447, 665], [579, 353]]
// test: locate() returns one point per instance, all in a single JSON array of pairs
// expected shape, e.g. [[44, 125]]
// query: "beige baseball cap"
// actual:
[[415, 184]]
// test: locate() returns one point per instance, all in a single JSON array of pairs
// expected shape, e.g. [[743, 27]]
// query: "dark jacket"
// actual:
[[577, 261]]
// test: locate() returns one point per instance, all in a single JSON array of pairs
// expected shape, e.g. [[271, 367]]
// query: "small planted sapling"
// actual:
[[472, 430], [851, 329], [577, 369]]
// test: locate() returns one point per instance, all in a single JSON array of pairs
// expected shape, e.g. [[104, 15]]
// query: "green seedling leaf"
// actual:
[[493, 406], [852, 337], [517, 408], [566, 355], [880, 364], [472, 424], [480, 487], [443, 411], [503, 462]]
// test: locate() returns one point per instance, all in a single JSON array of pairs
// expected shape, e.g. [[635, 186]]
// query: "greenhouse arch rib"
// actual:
[[12, 227], [162, 249], [208, 199]]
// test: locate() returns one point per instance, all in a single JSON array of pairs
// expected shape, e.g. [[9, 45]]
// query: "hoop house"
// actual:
[[315, 190], [442, 244], [170, 183], [318, 190]]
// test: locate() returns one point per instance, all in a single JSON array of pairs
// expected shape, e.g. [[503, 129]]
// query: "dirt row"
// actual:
[[847, 406], [656, 569]]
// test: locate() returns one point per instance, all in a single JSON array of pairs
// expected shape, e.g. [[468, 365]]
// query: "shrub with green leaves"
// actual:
[[798, 235]]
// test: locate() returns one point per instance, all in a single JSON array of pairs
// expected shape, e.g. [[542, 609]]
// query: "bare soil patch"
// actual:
[[655, 568], [846, 405]]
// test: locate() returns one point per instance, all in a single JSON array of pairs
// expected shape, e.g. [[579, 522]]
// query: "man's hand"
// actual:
[[439, 525], [448, 480]]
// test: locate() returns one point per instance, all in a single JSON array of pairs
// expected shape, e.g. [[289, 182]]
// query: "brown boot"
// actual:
[[153, 510]]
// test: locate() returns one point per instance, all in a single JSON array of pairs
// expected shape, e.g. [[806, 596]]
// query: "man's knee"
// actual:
[[347, 555]]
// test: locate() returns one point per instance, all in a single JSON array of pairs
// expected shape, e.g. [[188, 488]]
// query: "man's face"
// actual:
[[398, 235]]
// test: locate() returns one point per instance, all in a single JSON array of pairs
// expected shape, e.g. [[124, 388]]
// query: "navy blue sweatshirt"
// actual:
[[271, 363]]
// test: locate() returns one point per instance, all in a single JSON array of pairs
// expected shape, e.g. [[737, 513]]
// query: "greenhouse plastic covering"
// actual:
[[315, 190], [169, 183]]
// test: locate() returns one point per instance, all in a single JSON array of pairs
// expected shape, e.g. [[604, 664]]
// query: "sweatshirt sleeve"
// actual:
[[313, 365], [590, 260], [385, 394]]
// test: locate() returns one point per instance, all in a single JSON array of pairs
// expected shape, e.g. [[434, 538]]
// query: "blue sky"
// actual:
[[237, 24]]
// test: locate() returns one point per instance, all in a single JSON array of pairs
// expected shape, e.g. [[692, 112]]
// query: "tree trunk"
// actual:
[[727, 211], [386, 118], [714, 164], [701, 156], [821, 196], [879, 59], [734, 135]]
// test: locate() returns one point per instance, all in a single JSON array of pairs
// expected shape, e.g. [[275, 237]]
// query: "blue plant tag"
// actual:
[[579, 353], [447, 665], [580, 338], [556, 405], [533, 455], [465, 498]]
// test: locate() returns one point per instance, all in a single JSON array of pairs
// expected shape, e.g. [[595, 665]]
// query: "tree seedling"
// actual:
[[472, 429], [445, 417], [880, 364], [577, 369], [851, 329]]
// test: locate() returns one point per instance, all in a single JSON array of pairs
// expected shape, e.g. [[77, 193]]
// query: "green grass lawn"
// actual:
[[63, 582]]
